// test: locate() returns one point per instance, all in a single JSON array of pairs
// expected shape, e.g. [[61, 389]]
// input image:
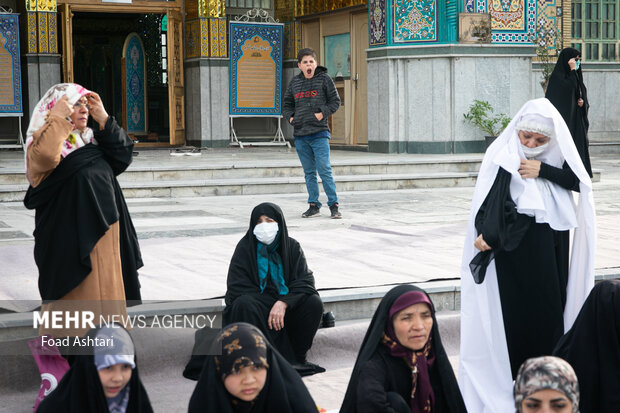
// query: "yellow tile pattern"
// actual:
[[42, 32]]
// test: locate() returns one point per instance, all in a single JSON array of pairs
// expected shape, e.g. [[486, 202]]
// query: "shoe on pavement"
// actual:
[[313, 211], [334, 210]]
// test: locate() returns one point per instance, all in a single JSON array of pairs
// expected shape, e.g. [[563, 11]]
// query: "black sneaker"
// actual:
[[313, 211], [335, 213]]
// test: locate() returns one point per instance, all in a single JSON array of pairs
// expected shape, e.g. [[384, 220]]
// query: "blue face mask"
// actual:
[[578, 64]]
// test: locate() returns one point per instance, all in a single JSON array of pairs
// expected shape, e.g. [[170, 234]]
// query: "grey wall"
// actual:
[[206, 102], [417, 95]]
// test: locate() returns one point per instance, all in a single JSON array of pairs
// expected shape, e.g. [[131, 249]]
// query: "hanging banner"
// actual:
[[10, 78], [256, 68], [134, 98]]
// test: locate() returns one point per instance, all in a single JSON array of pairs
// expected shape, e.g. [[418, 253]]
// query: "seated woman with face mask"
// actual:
[[402, 366], [524, 292], [270, 286]]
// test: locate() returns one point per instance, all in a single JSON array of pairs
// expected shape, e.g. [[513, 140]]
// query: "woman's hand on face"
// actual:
[[97, 111], [572, 64], [529, 168], [62, 108], [580, 102], [276, 315], [481, 244]]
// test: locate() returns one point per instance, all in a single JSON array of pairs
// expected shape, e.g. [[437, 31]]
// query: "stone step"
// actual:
[[252, 170], [277, 185], [603, 148]]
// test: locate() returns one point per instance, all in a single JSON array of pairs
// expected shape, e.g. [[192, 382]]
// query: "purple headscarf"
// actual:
[[420, 362]]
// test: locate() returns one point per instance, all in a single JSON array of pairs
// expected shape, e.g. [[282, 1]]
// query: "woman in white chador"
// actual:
[[518, 291]]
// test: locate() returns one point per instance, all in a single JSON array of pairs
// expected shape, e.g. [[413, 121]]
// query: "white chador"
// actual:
[[484, 372]]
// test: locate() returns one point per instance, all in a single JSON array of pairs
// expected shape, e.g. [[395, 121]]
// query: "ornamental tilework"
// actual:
[[10, 86], [507, 14], [222, 38], [204, 37], [512, 21], [213, 38], [31, 5], [42, 30], [415, 21], [469, 6], [32, 32], [377, 26], [53, 33]]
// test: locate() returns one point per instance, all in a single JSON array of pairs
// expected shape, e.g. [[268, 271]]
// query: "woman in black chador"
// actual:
[[529, 278], [249, 376], [592, 347], [402, 366], [103, 379], [569, 95], [270, 286]]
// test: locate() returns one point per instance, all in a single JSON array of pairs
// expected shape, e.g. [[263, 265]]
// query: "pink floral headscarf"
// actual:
[[77, 138]]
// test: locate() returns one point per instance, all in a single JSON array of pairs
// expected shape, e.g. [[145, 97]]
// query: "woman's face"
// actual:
[[413, 326], [114, 378], [79, 117], [264, 218], [532, 139], [246, 383], [546, 401]]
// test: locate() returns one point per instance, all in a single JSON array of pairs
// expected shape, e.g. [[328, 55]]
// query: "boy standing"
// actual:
[[310, 99]]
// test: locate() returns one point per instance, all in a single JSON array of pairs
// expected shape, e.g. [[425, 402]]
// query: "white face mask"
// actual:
[[531, 153], [266, 232]]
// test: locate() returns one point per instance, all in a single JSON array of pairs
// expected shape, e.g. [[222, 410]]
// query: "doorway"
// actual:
[[98, 41], [340, 41]]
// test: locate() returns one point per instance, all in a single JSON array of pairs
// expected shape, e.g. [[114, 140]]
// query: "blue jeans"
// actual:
[[314, 157]]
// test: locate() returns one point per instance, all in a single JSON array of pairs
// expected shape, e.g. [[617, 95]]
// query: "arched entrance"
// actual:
[[92, 49]]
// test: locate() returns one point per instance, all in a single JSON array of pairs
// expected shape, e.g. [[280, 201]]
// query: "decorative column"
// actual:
[[206, 73], [41, 60], [422, 77]]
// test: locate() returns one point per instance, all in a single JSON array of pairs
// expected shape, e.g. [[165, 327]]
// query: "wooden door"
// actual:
[[67, 43], [358, 73], [176, 89]]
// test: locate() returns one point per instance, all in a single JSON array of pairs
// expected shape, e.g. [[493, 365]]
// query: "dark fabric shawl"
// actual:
[[443, 373], [75, 205], [592, 348], [564, 88], [80, 389], [284, 390], [243, 271], [499, 223]]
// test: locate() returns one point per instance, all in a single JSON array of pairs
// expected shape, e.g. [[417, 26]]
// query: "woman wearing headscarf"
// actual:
[[546, 384], [86, 247], [569, 95], [592, 347], [517, 236], [103, 379], [248, 375], [402, 366], [269, 285]]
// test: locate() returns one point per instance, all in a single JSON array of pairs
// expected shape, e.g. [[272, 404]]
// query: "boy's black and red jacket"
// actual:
[[305, 97]]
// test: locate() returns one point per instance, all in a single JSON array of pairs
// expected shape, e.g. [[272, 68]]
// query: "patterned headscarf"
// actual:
[[243, 345], [420, 362], [76, 138], [542, 373]]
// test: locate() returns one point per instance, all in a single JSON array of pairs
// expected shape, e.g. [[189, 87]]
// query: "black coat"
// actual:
[[592, 348], [442, 375], [564, 88], [75, 205]]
